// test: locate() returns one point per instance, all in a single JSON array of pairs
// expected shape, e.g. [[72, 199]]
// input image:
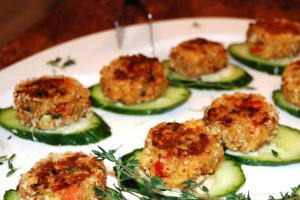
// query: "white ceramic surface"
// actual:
[[96, 50]]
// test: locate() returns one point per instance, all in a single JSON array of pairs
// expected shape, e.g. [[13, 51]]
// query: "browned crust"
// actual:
[[195, 57], [133, 79], [169, 137], [245, 121], [277, 26], [50, 102], [51, 176], [180, 151], [277, 38]]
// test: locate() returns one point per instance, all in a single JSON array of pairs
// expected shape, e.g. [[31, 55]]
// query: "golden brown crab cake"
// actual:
[[178, 152], [133, 79], [197, 57], [245, 121], [63, 176], [277, 38], [50, 102], [291, 83]]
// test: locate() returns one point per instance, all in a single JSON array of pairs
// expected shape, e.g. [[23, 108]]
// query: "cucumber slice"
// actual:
[[14, 195], [232, 77], [173, 97], [87, 130], [227, 179], [240, 52], [284, 104], [284, 149], [11, 195]]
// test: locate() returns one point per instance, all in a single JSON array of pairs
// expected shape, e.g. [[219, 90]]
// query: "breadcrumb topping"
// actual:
[[58, 175], [50, 102], [197, 57], [245, 122], [133, 79]]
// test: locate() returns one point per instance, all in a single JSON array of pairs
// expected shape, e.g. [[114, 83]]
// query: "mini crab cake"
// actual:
[[50, 102], [278, 38], [196, 57], [291, 83], [178, 152], [245, 121], [133, 79], [63, 176]]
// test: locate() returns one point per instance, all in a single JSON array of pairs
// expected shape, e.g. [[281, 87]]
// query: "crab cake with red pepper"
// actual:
[[177, 152], [197, 57], [291, 83], [50, 102], [133, 79], [63, 176], [278, 38], [245, 121]]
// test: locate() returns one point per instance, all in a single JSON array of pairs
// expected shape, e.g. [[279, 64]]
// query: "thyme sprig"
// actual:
[[127, 171], [9, 161], [288, 196], [293, 195], [57, 62], [274, 153]]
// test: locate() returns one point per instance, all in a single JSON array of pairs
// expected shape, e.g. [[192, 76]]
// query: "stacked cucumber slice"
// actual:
[[88, 130], [173, 97], [232, 77], [283, 150], [240, 52], [227, 179]]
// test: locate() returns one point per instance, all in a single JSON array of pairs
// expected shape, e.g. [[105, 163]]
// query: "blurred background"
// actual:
[[29, 26]]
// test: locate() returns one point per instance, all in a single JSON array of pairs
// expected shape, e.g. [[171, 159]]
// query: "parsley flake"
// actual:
[[275, 153], [58, 62]]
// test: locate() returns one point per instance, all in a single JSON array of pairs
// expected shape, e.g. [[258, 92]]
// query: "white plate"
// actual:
[[93, 51]]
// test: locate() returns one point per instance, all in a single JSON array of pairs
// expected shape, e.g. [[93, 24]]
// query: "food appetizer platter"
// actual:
[[164, 118]]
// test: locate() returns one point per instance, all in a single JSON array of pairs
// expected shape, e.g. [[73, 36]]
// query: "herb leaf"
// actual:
[[190, 183], [68, 63], [100, 193], [239, 196], [12, 169], [157, 183], [275, 153], [54, 62], [71, 169], [57, 62], [204, 189]]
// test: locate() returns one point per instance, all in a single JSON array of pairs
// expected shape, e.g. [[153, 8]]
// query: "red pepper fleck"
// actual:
[[159, 169], [255, 122], [251, 103], [256, 48], [60, 108]]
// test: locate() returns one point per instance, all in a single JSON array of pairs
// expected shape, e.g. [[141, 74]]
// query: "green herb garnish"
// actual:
[[275, 153], [9, 137], [11, 167], [239, 196], [294, 195], [71, 169], [126, 171], [9, 160], [3, 158], [57, 63], [69, 62]]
